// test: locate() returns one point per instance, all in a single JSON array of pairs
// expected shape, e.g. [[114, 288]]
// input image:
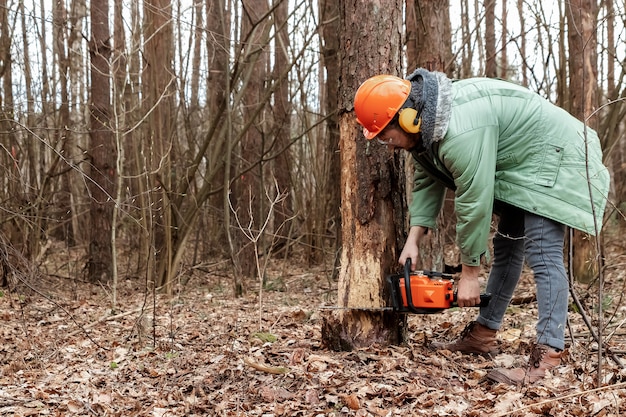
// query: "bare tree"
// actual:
[[158, 88], [9, 162], [429, 35], [63, 131], [491, 69], [218, 215], [194, 100], [466, 44], [504, 40], [372, 194], [76, 138], [119, 63], [255, 32], [522, 41], [583, 87], [102, 149], [281, 112], [134, 165], [478, 41], [610, 47], [562, 87], [611, 130], [325, 218]]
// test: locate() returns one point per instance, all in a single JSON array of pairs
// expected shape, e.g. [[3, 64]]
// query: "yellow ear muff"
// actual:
[[406, 119]]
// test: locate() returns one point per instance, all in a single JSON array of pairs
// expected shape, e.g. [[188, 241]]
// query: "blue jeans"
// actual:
[[525, 236]]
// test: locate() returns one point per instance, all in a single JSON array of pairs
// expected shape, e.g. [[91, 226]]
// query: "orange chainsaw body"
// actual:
[[427, 293]]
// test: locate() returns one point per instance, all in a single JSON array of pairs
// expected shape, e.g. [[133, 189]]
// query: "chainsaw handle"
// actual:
[[407, 285], [484, 300]]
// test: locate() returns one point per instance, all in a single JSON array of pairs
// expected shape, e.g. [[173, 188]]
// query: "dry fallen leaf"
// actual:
[[509, 335], [278, 394], [351, 401]]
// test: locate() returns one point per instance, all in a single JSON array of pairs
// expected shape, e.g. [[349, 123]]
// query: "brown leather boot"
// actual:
[[542, 358], [475, 338]]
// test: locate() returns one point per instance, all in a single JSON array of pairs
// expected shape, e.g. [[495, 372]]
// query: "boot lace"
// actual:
[[467, 329]]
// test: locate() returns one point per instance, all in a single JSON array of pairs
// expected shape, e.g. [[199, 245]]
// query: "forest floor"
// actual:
[[64, 351]]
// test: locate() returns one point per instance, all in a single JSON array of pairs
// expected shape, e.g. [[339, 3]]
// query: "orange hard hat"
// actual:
[[378, 100]]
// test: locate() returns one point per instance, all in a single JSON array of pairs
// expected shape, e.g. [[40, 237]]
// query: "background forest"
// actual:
[[213, 127], [154, 148]]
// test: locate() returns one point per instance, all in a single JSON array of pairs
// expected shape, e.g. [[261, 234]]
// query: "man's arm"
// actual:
[[410, 249]]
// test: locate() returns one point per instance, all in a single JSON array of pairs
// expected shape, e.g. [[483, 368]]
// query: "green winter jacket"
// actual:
[[507, 143]]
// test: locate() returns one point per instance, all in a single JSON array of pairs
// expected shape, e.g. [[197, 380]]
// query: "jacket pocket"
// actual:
[[549, 165]]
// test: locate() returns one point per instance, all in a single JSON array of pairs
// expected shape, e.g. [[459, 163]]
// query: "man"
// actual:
[[503, 150]]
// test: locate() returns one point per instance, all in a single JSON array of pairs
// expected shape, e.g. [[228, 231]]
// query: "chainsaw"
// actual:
[[424, 292], [418, 292]]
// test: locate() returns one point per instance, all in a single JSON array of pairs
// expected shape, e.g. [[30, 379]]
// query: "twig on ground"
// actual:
[[276, 370], [587, 321]]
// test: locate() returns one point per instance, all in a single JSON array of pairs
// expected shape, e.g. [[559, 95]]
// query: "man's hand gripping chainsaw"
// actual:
[[424, 292]]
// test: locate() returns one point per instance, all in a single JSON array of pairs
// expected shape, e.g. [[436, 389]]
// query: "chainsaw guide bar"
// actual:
[[372, 309]]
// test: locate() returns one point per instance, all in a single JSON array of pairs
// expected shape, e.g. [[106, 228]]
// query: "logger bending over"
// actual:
[[503, 150]]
